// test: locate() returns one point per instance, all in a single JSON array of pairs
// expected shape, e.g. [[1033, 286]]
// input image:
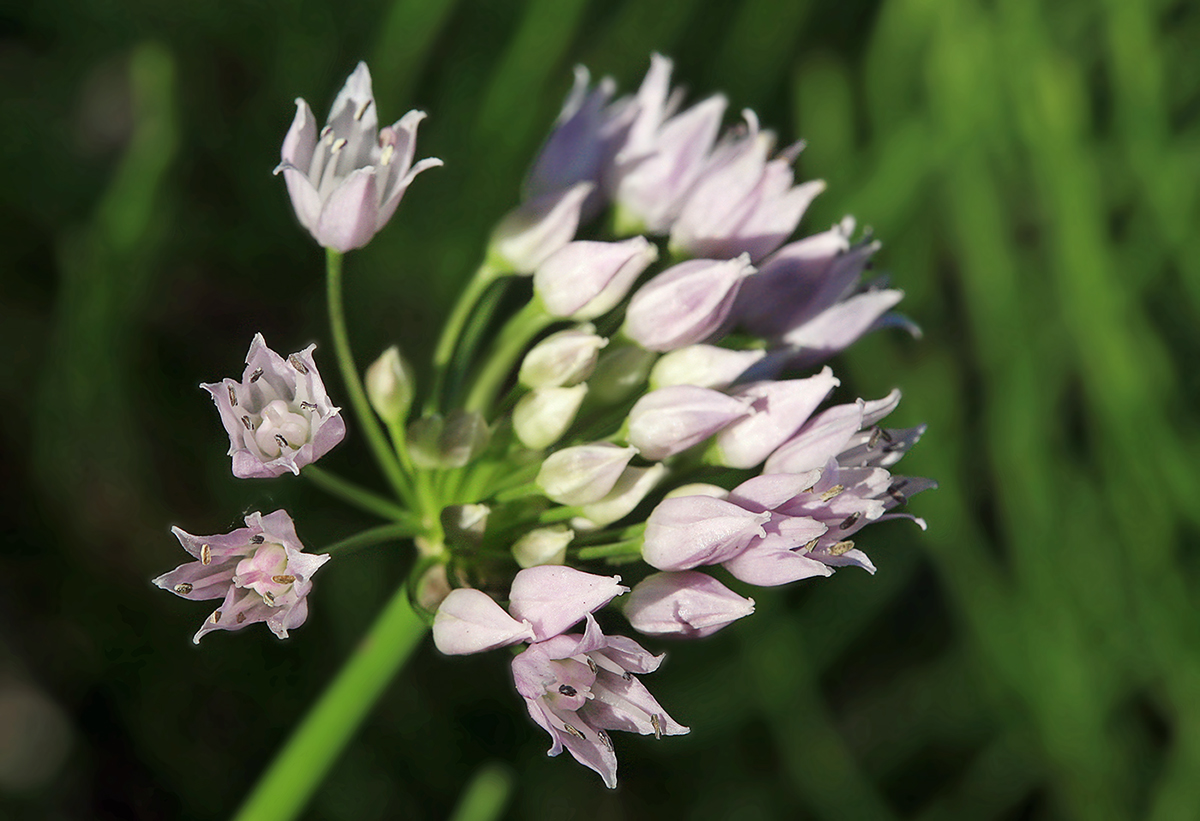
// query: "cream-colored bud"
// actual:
[[542, 416], [698, 489], [627, 493], [546, 545], [390, 384], [583, 474], [561, 359]]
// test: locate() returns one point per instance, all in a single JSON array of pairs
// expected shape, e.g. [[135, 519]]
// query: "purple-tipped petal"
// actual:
[[685, 304], [584, 279], [768, 567], [780, 409], [671, 420], [690, 531]]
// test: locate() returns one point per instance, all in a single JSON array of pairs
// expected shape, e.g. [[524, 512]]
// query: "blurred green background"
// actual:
[[1032, 169]]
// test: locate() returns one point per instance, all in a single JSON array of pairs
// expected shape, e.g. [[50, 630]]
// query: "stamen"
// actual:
[[628, 676], [241, 617], [874, 440], [567, 690], [326, 134], [257, 375], [810, 545], [841, 547], [256, 539], [849, 521], [232, 396], [656, 723], [573, 731], [269, 596], [385, 156], [833, 491], [183, 588], [338, 145], [887, 437], [205, 554], [283, 443], [246, 422], [591, 665], [362, 109], [604, 739], [308, 406], [216, 616], [295, 362], [286, 579]]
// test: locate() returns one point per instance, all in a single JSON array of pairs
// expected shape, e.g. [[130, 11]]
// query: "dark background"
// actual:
[[1032, 170]]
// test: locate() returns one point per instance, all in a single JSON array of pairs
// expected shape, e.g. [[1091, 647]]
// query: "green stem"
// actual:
[[374, 536], [633, 547], [486, 795], [298, 769], [353, 494], [517, 334], [358, 397], [452, 330]]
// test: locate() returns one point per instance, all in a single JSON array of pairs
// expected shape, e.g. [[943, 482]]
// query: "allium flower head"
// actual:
[[347, 180], [260, 570], [279, 417]]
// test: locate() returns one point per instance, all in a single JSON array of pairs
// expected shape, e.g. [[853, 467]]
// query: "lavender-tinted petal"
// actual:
[[551, 598], [528, 235], [685, 603], [834, 329], [770, 491], [781, 408], [585, 279], [822, 437], [689, 531], [348, 216], [625, 704], [768, 567], [671, 420], [686, 303], [301, 139], [469, 621]]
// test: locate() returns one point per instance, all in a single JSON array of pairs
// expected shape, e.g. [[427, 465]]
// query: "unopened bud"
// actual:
[[562, 359], [536, 229], [541, 417], [390, 384], [705, 366], [464, 525], [627, 493], [583, 474], [620, 372], [452, 442], [546, 545]]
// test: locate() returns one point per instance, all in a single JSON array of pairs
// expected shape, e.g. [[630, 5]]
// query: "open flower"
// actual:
[[346, 181], [279, 417], [576, 687], [260, 570]]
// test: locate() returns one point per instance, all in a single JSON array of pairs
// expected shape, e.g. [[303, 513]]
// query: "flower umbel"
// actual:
[[260, 570], [347, 180], [279, 417]]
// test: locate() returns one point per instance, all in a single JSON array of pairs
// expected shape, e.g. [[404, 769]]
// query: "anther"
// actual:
[[232, 396], [183, 588], [874, 440], [216, 616], [338, 145], [286, 579], [297, 364], [628, 676], [241, 617], [810, 545], [833, 491], [573, 731], [308, 406], [326, 133], [205, 554], [283, 443], [604, 739], [841, 547], [257, 375], [246, 422], [567, 690], [256, 539], [849, 521], [385, 156], [269, 596], [887, 437], [656, 723], [362, 109], [591, 665]]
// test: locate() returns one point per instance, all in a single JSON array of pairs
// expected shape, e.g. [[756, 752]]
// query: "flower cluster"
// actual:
[[660, 402]]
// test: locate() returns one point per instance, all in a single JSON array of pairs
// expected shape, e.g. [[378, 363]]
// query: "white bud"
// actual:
[[542, 416], [546, 545], [390, 386], [563, 358], [627, 493], [583, 474]]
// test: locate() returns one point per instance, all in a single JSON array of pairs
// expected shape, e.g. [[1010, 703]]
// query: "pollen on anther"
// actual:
[[362, 109], [285, 579], [570, 729], [849, 521], [257, 375], [247, 423], [307, 406], [832, 492], [257, 538], [604, 739], [656, 723], [338, 145], [567, 690], [216, 616], [841, 547], [385, 156], [283, 443], [591, 665], [269, 596], [810, 545], [205, 554], [241, 617], [232, 396], [183, 588], [297, 364], [874, 440]]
